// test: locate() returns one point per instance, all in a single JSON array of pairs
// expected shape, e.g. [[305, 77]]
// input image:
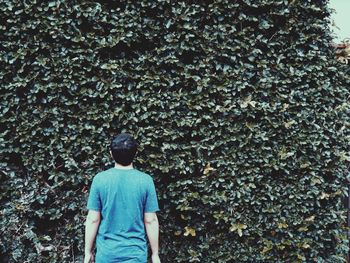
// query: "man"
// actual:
[[122, 204]]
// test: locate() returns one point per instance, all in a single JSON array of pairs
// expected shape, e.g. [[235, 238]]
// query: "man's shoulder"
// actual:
[[144, 174], [102, 174]]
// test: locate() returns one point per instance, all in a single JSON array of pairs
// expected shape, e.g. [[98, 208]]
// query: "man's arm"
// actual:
[[92, 223], [152, 229]]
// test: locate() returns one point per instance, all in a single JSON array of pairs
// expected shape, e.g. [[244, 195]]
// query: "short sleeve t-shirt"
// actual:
[[122, 196]]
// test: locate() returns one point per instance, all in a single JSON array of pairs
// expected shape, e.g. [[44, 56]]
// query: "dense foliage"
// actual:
[[240, 108]]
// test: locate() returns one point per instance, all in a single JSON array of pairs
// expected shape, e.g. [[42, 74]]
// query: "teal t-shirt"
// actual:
[[122, 196]]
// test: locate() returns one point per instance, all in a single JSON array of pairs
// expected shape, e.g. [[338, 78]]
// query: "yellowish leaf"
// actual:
[[207, 169], [338, 192], [238, 227], [245, 102], [266, 249], [248, 101], [343, 156], [305, 245], [324, 195], [285, 106], [281, 247], [282, 225], [304, 165], [303, 229], [284, 154], [252, 103], [316, 181], [189, 231], [310, 219], [250, 125], [289, 123], [177, 233]]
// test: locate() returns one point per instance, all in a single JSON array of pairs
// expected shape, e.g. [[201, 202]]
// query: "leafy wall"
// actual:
[[240, 108]]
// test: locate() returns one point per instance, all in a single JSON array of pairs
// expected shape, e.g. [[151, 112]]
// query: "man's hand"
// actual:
[[89, 257], [155, 258], [91, 226], [152, 229]]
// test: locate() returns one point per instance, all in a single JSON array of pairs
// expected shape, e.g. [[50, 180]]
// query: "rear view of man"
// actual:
[[122, 204]]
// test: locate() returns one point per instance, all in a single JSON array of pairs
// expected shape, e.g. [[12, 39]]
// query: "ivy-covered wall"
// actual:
[[240, 108]]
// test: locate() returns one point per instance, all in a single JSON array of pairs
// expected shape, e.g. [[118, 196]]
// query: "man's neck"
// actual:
[[126, 167]]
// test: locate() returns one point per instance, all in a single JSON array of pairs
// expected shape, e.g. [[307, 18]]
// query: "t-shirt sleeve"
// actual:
[[151, 198], [94, 200]]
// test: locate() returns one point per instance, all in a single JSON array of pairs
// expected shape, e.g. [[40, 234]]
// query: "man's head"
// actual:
[[123, 148]]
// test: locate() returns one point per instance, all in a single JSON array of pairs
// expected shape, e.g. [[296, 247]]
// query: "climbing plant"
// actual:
[[240, 108]]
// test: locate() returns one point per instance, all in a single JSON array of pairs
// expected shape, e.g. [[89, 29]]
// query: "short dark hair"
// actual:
[[123, 147]]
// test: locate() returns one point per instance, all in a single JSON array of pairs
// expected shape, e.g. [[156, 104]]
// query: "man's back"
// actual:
[[122, 196]]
